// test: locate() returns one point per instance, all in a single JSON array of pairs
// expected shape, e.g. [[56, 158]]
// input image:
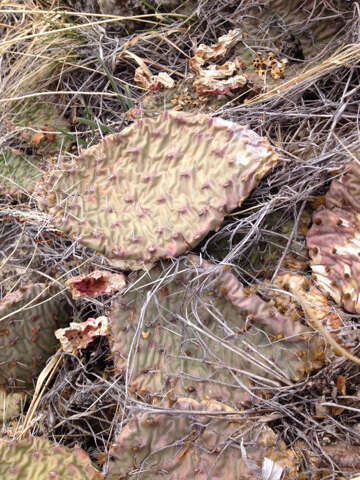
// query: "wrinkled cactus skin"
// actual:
[[28, 319], [185, 445], [18, 174], [213, 342], [37, 458], [157, 188], [334, 241]]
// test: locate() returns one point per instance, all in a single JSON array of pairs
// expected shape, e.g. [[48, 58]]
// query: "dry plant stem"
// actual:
[[333, 344], [44, 378]]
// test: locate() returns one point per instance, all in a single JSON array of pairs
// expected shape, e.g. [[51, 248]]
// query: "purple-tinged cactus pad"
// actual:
[[157, 188], [36, 458], [182, 443], [334, 241], [211, 340], [28, 320]]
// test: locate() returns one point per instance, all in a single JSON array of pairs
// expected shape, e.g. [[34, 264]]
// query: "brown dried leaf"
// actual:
[[50, 135], [217, 79], [145, 79], [37, 137], [341, 384], [79, 335], [205, 53]]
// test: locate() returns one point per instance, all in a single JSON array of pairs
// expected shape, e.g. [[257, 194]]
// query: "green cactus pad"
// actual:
[[44, 119], [28, 319], [182, 444], [334, 241], [157, 188], [213, 341], [18, 174], [41, 127], [37, 458]]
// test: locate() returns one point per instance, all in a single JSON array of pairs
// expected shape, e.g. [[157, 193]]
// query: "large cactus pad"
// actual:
[[334, 241], [28, 319], [204, 340], [157, 188], [181, 443], [37, 458]]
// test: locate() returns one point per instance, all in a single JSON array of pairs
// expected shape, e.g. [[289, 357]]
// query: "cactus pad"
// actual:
[[181, 444], [38, 458], [157, 188], [18, 173], [41, 130], [79, 335], [204, 341], [334, 241], [28, 319]]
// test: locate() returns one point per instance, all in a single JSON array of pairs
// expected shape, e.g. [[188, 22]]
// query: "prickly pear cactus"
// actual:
[[333, 241], [28, 319], [157, 188], [39, 126], [38, 458], [180, 443], [18, 174], [215, 340]]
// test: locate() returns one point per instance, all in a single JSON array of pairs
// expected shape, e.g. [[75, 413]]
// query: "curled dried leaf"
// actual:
[[206, 53], [217, 79], [144, 78], [37, 137], [79, 335]]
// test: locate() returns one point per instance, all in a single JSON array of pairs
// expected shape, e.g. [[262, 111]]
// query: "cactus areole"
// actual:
[[157, 188]]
